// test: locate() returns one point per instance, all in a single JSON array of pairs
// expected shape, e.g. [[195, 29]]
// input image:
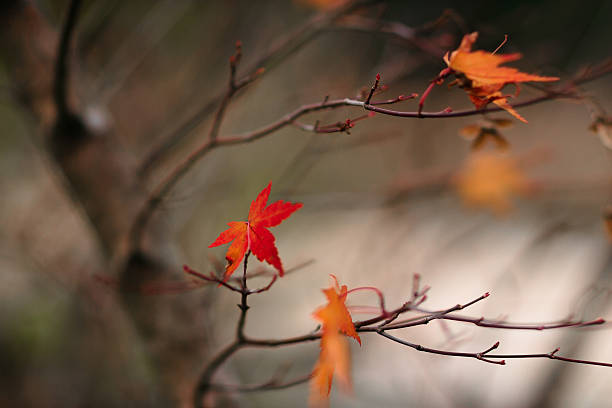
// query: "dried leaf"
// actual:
[[480, 74], [334, 357], [253, 235]]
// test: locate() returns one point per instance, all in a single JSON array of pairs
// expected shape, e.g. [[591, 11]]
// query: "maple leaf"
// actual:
[[480, 74], [490, 180], [253, 235], [486, 131], [334, 356]]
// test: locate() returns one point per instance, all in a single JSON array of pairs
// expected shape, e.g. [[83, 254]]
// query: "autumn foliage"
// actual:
[[253, 235], [124, 127], [480, 75], [336, 322]]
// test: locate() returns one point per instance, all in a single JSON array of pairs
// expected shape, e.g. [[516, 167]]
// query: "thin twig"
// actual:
[[482, 322], [386, 317], [271, 385], [284, 48], [158, 194], [244, 305], [211, 278], [482, 356]]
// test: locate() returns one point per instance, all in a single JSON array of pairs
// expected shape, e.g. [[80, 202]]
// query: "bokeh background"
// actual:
[[380, 204]]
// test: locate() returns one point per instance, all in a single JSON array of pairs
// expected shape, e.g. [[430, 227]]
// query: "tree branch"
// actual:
[[61, 78], [284, 48], [273, 384], [183, 167]]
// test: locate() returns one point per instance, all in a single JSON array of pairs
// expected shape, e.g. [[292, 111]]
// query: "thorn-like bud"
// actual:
[[487, 294], [260, 71], [448, 109], [378, 77], [496, 345], [503, 362]]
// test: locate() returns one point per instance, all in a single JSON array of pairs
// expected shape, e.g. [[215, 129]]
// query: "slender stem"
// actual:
[[244, 306], [418, 347], [204, 384], [482, 322], [551, 356], [267, 386]]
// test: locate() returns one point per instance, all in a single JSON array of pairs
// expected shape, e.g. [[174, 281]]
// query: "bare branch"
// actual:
[[482, 322], [284, 48], [211, 278], [272, 384], [482, 356], [62, 75]]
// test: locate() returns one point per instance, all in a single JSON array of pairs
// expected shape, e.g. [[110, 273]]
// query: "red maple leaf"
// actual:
[[253, 235]]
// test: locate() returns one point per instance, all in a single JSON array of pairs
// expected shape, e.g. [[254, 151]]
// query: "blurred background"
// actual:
[[394, 197]]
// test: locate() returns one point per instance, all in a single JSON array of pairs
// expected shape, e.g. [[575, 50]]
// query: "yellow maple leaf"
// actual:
[[490, 180]]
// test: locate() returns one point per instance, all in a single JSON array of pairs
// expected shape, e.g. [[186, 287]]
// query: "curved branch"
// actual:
[[158, 194], [286, 46], [271, 385], [60, 83], [489, 358]]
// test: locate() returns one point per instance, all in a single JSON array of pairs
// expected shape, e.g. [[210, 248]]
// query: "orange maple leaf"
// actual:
[[323, 4], [487, 130], [334, 355], [490, 180], [482, 77], [253, 235]]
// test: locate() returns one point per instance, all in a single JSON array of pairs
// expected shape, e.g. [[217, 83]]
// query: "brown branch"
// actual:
[[183, 167], [211, 278], [553, 356], [284, 48], [490, 358], [386, 317], [273, 384], [400, 31], [482, 356], [158, 194], [61, 78], [482, 322]]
